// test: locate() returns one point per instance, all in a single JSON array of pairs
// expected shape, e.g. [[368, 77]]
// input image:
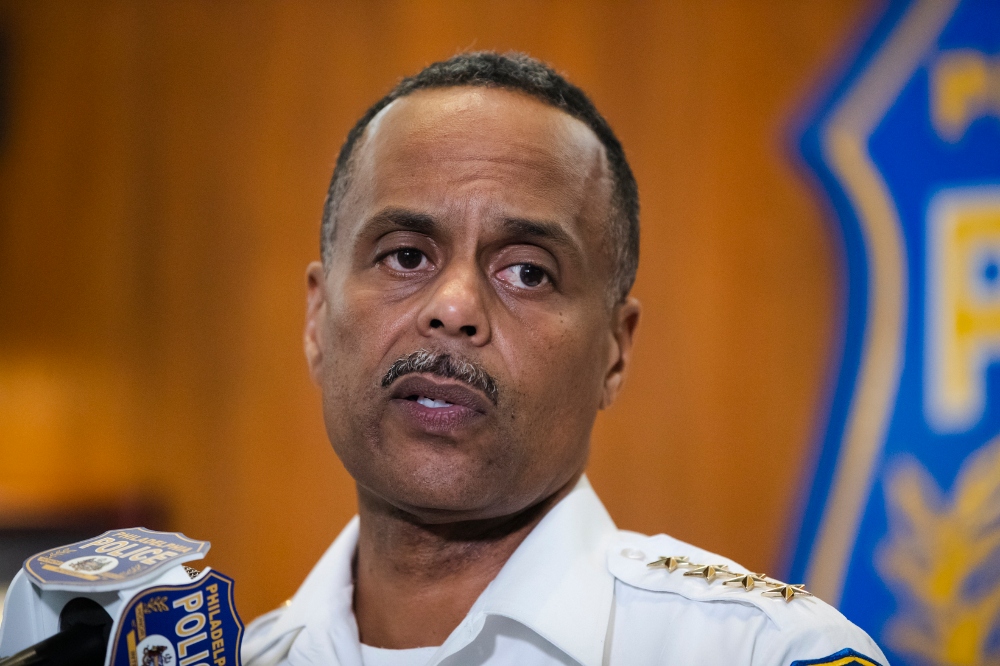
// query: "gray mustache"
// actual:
[[443, 365]]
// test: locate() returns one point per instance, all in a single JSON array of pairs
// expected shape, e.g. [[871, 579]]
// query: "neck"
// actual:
[[415, 582]]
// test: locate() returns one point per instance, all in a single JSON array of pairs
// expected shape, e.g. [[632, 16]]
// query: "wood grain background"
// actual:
[[162, 170]]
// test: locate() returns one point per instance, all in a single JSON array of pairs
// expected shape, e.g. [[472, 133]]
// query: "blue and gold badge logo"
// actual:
[[902, 526], [846, 657], [180, 625], [112, 561]]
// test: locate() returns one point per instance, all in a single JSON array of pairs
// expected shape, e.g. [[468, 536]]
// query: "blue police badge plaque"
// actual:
[[114, 560], [180, 625], [901, 530]]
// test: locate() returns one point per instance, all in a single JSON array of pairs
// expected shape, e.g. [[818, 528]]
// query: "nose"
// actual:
[[455, 308]]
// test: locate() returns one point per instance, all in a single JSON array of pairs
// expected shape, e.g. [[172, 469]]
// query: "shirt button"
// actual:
[[633, 554]]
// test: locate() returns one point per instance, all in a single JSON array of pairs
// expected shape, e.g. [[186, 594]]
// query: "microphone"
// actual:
[[84, 628], [123, 598]]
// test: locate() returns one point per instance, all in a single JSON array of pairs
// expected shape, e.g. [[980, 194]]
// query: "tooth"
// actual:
[[433, 404]]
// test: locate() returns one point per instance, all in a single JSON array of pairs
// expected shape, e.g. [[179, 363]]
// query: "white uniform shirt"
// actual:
[[577, 591]]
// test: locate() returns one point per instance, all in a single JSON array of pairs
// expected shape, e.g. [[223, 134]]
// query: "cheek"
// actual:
[[363, 328], [557, 363]]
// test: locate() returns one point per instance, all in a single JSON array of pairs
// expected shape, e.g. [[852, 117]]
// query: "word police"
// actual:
[[190, 628], [135, 548]]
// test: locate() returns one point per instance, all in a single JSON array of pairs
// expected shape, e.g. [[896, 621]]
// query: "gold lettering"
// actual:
[[965, 85]]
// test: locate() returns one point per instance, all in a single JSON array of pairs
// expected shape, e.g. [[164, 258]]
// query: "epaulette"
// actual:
[[663, 564]]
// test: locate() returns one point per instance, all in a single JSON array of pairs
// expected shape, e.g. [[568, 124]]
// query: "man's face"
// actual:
[[475, 226]]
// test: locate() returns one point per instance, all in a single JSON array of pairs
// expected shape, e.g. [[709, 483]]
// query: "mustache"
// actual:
[[443, 365]]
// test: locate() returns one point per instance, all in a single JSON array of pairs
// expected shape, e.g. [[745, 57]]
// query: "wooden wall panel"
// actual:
[[160, 190]]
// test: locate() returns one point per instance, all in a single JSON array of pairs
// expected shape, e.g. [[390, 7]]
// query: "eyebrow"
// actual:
[[515, 228], [521, 228], [401, 218]]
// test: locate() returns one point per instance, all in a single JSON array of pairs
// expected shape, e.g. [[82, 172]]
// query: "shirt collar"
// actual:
[[556, 583], [322, 606]]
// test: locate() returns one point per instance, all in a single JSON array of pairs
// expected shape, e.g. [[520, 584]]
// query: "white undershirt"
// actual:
[[501, 642], [373, 656]]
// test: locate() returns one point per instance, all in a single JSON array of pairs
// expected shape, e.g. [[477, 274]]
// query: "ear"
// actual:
[[625, 320], [314, 336]]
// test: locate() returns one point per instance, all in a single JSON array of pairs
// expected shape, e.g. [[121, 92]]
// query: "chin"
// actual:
[[439, 487]]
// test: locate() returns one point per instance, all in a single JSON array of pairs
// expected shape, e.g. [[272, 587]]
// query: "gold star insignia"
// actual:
[[787, 592], [668, 563], [707, 572], [746, 581]]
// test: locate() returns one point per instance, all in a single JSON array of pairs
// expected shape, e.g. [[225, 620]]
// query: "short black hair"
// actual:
[[521, 73]]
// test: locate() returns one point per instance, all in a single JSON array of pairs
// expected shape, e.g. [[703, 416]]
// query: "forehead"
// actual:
[[464, 146]]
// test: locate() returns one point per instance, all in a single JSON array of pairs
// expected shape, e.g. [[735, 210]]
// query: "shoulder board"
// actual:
[[663, 564]]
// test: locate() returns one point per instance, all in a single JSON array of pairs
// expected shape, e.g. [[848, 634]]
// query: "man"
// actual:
[[469, 318]]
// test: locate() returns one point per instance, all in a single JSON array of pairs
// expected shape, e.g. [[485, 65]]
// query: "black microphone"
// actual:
[[84, 629]]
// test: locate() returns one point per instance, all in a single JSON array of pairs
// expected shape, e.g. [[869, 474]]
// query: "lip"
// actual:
[[435, 388], [467, 404]]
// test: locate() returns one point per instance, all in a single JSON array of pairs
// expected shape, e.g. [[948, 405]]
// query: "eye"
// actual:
[[524, 276], [406, 259]]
